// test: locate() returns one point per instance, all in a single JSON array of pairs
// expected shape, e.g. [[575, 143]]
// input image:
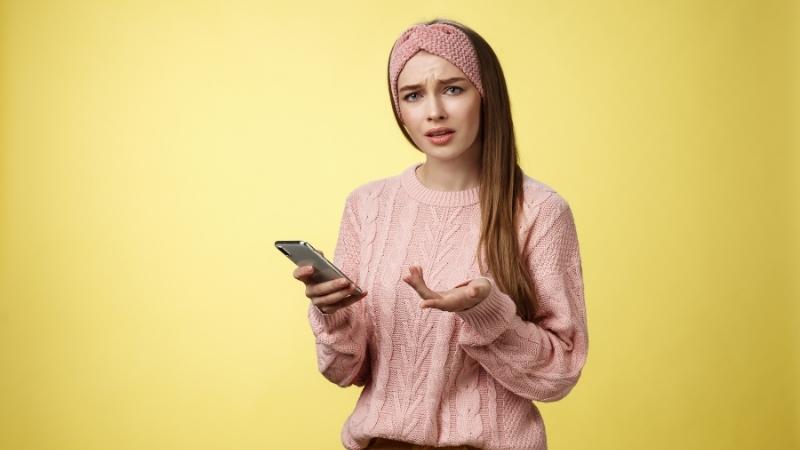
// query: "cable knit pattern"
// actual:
[[439, 378]]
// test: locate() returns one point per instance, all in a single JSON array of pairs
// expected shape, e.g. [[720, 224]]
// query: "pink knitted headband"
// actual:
[[441, 39]]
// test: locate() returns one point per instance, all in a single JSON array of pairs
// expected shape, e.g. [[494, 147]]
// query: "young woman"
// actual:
[[473, 301]]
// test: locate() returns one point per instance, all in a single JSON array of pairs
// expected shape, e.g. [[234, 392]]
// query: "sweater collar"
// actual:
[[423, 194]]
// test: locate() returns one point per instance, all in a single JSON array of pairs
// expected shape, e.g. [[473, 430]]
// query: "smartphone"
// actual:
[[304, 254]]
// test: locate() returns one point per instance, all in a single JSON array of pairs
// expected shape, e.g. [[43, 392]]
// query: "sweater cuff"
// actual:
[[321, 320], [487, 320]]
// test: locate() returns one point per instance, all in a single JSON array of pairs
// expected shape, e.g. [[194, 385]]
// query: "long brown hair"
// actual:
[[500, 181]]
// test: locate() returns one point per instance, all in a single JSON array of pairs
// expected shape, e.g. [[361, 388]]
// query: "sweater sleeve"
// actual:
[[341, 337], [540, 360]]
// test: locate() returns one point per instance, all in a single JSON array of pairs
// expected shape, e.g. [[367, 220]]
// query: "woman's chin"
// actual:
[[444, 153]]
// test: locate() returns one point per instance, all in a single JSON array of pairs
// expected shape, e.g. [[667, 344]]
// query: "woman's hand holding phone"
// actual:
[[327, 296]]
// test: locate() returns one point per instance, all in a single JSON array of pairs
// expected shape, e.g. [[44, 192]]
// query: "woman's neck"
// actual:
[[449, 175]]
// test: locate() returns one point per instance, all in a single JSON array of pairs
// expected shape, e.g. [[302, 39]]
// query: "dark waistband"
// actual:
[[389, 444]]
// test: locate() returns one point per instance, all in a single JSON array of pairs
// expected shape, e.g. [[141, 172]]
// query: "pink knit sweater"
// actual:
[[440, 378]]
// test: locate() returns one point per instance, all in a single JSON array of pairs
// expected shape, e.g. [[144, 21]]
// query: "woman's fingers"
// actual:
[[327, 296], [326, 292], [330, 309], [416, 281], [333, 297], [313, 289], [446, 303], [303, 273], [326, 287], [464, 296]]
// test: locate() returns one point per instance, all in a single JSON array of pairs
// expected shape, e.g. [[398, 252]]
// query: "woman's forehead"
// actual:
[[425, 65]]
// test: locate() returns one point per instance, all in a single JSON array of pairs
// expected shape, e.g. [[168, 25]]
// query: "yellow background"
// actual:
[[153, 152]]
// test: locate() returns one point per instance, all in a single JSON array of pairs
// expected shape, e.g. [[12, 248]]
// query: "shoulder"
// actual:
[[372, 190], [540, 196], [542, 208]]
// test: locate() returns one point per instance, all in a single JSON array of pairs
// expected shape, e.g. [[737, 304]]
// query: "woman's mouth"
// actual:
[[441, 139]]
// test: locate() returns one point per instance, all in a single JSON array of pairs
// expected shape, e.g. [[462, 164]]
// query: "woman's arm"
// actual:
[[539, 360], [341, 337]]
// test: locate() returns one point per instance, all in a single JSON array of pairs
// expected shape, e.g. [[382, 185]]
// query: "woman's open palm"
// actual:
[[464, 296]]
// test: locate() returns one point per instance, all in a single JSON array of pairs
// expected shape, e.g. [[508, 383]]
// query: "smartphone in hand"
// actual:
[[304, 254]]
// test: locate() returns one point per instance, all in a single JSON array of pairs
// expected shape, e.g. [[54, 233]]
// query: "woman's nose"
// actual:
[[435, 108]]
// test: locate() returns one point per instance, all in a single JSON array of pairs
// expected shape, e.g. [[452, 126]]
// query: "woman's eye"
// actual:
[[409, 98]]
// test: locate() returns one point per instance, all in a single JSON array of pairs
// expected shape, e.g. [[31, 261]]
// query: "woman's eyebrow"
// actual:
[[445, 81]]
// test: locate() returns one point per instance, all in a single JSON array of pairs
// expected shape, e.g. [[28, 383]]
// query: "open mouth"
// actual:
[[441, 138]]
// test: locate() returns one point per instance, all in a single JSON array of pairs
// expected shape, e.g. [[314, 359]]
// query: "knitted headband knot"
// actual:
[[440, 39]]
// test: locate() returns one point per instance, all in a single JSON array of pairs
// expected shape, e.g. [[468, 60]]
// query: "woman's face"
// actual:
[[433, 93]]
